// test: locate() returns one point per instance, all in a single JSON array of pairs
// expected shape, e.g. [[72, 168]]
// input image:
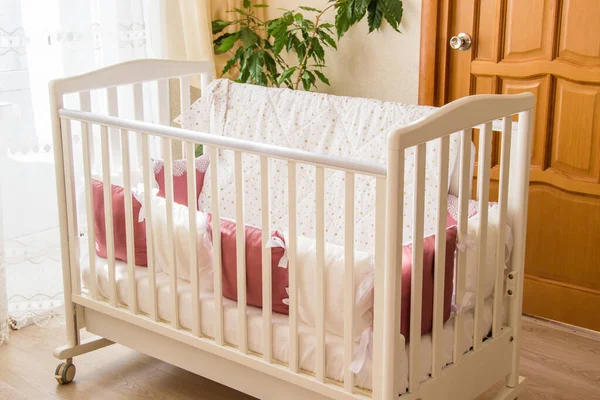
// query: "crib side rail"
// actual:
[[98, 125], [223, 142], [462, 115]]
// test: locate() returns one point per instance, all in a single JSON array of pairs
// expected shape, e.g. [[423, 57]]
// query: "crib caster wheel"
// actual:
[[65, 373]]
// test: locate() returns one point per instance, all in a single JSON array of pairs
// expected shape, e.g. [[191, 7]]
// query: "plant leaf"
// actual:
[[359, 10], [309, 9], [287, 74], [392, 12], [278, 26], [322, 77], [325, 37], [318, 53], [226, 42], [375, 15], [343, 17], [247, 4], [300, 48], [270, 64], [233, 60], [308, 80], [218, 25], [256, 68], [279, 43], [239, 11], [248, 37], [245, 65], [261, 6]]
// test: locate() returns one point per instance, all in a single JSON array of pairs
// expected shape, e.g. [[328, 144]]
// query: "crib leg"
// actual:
[[508, 393], [86, 346], [65, 372]]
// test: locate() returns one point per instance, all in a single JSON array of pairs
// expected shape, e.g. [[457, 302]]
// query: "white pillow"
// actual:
[[334, 287], [181, 241]]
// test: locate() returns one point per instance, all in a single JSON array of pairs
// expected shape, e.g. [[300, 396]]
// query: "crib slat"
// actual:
[[148, 179], [85, 101], [380, 194], [205, 79], [184, 99], [502, 207], [349, 282], [73, 226], [193, 217], [240, 246], [108, 216], [416, 292], [138, 113], [89, 205], [171, 259], [390, 301], [483, 189], [164, 108], [440, 260], [130, 243], [85, 104], [463, 220], [267, 301], [292, 269], [320, 366], [184, 95], [216, 229], [184, 85], [112, 101]]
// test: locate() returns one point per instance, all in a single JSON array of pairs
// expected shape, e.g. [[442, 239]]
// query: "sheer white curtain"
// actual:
[[40, 41]]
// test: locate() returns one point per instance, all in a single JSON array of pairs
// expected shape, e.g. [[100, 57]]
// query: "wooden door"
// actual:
[[552, 49]]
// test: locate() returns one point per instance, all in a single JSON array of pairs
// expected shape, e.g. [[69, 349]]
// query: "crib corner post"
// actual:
[[56, 103], [517, 217], [393, 342]]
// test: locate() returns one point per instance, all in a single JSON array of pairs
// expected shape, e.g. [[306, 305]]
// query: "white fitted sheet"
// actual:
[[334, 344]]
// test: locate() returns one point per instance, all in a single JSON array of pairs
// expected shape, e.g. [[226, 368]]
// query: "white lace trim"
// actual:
[[180, 166], [39, 302], [453, 207]]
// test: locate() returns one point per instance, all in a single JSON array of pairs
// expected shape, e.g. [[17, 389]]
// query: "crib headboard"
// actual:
[[132, 74]]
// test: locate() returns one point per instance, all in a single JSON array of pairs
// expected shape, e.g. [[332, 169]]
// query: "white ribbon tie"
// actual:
[[277, 242]]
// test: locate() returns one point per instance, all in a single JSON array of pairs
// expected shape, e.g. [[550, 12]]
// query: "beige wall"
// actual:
[[382, 65]]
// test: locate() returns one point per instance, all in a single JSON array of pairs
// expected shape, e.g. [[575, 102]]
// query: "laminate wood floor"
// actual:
[[560, 363]]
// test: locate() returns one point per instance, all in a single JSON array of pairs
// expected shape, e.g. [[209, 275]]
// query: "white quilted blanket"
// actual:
[[352, 128]]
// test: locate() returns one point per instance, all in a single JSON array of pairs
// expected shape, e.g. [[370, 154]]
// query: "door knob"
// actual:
[[462, 41]]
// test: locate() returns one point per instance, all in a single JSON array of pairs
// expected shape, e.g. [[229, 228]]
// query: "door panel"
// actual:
[[541, 88], [552, 49], [577, 44], [575, 146], [528, 29], [574, 260]]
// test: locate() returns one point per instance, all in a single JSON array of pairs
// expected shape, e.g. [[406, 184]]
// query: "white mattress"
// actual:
[[334, 344]]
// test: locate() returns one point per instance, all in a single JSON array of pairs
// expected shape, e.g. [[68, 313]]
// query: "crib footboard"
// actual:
[[114, 149]]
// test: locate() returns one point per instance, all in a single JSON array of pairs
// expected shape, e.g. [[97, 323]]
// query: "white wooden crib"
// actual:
[[488, 362]]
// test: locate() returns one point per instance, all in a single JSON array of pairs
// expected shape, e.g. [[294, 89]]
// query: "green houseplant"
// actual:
[[290, 50]]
